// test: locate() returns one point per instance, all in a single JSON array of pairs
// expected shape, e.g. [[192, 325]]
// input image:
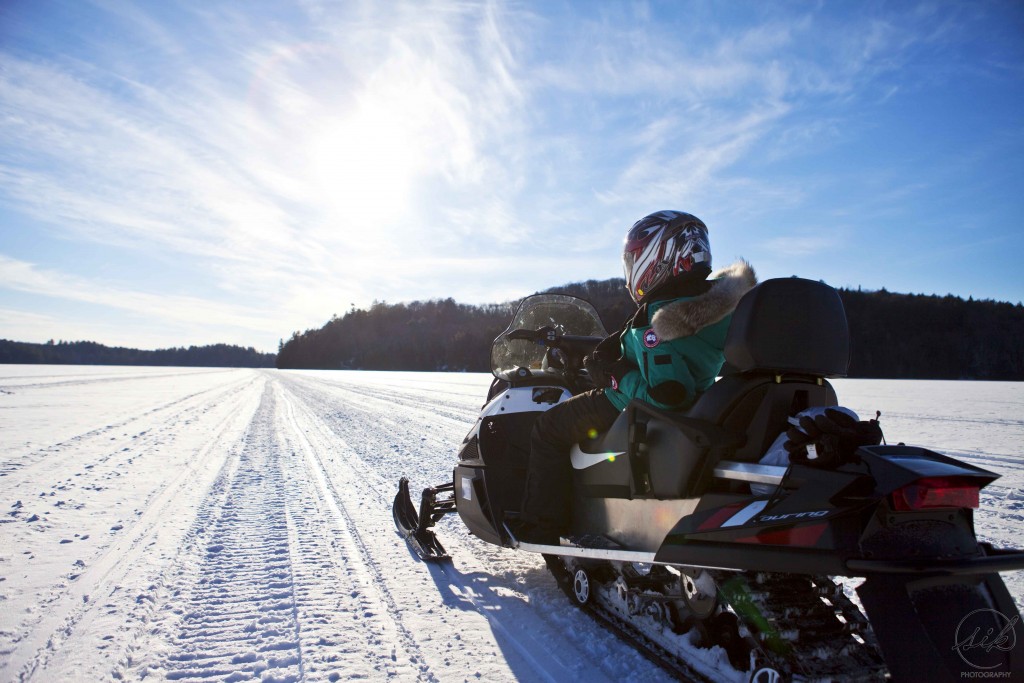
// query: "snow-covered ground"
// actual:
[[210, 524]]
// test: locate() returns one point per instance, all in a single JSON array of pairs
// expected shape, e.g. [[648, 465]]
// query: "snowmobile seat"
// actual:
[[786, 337], [667, 455]]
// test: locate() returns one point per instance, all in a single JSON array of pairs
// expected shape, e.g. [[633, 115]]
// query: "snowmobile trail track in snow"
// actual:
[[87, 597], [282, 577]]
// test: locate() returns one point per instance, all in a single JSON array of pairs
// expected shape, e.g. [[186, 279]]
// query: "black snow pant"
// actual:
[[549, 477]]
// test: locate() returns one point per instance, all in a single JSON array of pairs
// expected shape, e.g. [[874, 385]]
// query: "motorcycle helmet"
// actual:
[[663, 248]]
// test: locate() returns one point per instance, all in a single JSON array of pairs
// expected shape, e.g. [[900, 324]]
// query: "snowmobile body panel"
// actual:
[[637, 525], [491, 473], [649, 453], [534, 396], [636, 481], [831, 521]]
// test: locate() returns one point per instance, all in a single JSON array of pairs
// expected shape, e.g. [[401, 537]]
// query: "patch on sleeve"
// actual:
[[651, 339], [671, 393]]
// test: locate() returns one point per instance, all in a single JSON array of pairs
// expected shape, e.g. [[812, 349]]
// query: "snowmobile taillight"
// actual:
[[807, 535], [936, 492]]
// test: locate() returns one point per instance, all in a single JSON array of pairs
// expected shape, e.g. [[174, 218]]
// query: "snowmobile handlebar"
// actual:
[[574, 344], [565, 352], [529, 335]]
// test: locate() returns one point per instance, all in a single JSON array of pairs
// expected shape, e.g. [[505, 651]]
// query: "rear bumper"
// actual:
[[807, 561], [993, 560]]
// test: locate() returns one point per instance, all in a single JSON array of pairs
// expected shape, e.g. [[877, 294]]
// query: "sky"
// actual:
[[219, 171]]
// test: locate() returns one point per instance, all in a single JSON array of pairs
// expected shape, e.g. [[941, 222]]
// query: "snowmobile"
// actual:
[[683, 543]]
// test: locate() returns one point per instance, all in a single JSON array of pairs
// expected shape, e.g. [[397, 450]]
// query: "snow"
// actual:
[[198, 524]]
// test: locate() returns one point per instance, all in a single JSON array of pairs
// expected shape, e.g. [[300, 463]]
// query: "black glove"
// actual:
[[604, 374], [604, 363], [597, 371], [836, 437]]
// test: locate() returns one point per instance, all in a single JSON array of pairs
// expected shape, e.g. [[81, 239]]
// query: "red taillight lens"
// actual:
[[936, 492], [800, 535]]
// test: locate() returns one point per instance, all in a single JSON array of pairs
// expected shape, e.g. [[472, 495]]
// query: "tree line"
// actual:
[[92, 353], [892, 335], [914, 336]]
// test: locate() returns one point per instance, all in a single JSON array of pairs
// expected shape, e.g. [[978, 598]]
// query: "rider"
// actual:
[[667, 355]]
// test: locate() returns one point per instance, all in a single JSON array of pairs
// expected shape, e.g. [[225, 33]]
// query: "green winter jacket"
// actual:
[[678, 350]]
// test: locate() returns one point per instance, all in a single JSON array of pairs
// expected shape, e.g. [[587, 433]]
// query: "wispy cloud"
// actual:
[[32, 325], [788, 246], [26, 277]]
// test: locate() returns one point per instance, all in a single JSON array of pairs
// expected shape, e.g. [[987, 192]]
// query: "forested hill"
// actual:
[[91, 353], [893, 335]]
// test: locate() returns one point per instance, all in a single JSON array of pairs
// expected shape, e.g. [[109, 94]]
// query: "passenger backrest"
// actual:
[[786, 336]]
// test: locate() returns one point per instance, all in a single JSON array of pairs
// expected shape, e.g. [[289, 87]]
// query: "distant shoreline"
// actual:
[[92, 353]]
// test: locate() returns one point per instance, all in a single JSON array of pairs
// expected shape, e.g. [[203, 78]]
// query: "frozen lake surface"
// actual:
[[212, 524]]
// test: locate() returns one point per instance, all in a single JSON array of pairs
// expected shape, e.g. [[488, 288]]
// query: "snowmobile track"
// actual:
[[279, 575], [121, 436], [89, 596], [360, 555]]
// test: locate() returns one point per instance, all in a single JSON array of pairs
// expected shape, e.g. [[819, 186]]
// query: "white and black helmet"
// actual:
[[663, 247]]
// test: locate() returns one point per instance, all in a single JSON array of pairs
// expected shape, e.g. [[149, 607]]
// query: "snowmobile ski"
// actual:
[[416, 527]]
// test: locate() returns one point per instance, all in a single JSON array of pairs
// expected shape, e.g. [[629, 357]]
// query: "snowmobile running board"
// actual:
[[589, 552], [609, 555]]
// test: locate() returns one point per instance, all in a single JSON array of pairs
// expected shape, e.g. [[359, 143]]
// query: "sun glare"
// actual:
[[363, 167]]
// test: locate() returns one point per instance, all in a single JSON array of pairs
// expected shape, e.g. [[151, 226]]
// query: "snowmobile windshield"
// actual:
[[566, 315]]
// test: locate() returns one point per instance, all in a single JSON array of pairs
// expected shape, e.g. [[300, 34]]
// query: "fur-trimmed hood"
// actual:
[[683, 318]]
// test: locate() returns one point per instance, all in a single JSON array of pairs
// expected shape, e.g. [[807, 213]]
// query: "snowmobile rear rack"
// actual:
[[415, 527], [752, 473]]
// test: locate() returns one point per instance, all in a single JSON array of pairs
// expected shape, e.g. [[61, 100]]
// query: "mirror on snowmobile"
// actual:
[[565, 315]]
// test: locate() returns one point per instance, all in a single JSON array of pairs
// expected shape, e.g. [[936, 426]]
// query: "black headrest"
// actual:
[[790, 325]]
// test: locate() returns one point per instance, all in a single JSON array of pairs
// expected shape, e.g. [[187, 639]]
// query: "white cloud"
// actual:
[[790, 246], [25, 277], [21, 325]]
